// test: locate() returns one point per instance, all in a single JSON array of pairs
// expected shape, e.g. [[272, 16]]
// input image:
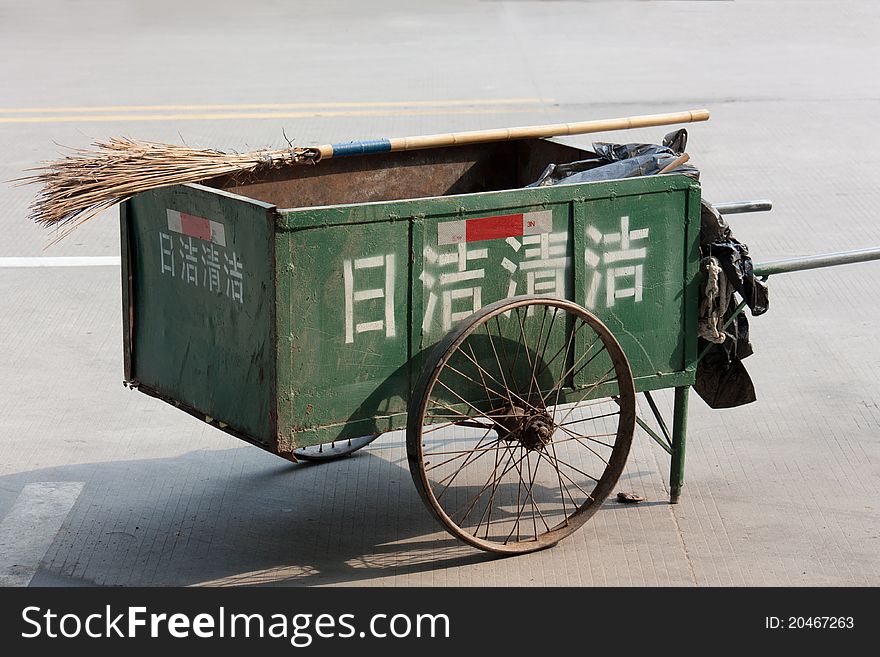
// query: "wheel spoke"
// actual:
[[460, 452], [588, 419], [592, 358], [558, 461], [560, 383], [571, 337], [518, 344], [535, 506], [465, 401], [467, 418], [578, 438], [486, 485], [522, 333], [540, 358], [591, 438], [458, 414], [479, 371], [576, 485], [588, 391], [519, 507], [487, 388], [510, 370], [518, 489], [504, 385], [559, 477], [530, 498], [498, 362], [495, 482], [452, 477], [437, 427]]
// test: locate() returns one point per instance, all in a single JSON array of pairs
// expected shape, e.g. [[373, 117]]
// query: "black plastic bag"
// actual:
[[615, 161]]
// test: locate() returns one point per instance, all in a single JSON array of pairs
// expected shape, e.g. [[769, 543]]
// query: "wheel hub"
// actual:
[[537, 432], [533, 430]]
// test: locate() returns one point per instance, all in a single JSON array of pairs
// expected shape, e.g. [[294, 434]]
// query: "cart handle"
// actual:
[[740, 207], [766, 269], [803, 263]]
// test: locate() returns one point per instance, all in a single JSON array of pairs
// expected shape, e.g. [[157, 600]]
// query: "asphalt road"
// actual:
[[101, 485]]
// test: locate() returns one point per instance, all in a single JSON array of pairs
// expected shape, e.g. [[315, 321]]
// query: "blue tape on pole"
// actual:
[[361, 147]]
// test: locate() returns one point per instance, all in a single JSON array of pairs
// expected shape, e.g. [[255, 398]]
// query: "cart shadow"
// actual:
[[241, 517]]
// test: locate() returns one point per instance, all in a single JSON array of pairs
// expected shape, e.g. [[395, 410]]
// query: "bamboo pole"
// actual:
[[506, 134]]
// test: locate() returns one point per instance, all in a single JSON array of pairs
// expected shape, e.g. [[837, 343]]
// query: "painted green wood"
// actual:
[[126, 281], [349, 289], [626, 250], [204, 311], [285, 312], [650, 274]]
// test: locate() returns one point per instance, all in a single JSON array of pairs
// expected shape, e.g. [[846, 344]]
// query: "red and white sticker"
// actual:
[[493, 228], [198, 227]]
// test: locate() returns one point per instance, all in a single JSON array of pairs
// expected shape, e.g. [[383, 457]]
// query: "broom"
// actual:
[[82, 184]]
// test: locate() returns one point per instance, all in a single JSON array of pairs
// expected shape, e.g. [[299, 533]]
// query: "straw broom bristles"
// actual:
[[79, 186]]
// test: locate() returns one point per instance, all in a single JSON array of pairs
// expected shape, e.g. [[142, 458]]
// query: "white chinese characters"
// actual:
[[622, 266], [545, 262], [455, 283], [475, 262], [357, 298], [194, 251]]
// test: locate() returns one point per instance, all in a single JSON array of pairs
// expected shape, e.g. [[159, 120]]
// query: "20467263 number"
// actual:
[[820, 622]]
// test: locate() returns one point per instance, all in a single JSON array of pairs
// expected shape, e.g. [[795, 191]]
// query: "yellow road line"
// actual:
[[273, 106], [104, 118]]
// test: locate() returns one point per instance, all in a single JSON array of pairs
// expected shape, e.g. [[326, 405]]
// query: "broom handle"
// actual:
[[677, 162], [505, 134]]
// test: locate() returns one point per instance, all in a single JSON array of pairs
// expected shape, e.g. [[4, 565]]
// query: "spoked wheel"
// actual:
[[520, 424], [334, 450]]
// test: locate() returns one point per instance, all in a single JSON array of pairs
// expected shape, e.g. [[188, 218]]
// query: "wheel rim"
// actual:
[[521, 424], [333, 450]]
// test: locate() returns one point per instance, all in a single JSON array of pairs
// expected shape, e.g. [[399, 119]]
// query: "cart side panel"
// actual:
[[347, 293], [201, 305], [636, 264], [373, 287], [623, 250]]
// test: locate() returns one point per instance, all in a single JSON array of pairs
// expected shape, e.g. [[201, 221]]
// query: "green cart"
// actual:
[[507, 329]]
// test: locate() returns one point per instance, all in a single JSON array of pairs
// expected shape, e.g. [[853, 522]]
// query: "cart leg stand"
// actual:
[[679, 435]]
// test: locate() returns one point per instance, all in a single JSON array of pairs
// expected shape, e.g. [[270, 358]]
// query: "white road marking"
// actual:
[[61, 261], [27, 531]]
